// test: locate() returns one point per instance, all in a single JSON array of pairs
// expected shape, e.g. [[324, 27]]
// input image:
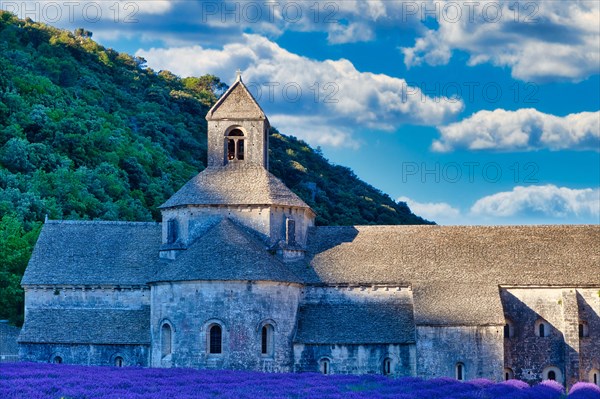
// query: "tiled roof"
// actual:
[[226, 251], [94, 253], [361, 323], [86, 326], [455, 271], [235, 184]]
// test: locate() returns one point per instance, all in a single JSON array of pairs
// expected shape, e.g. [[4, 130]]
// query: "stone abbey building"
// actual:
[[237, 276]]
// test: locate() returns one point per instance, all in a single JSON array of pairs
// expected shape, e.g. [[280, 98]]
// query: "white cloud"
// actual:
[[331, 94], [546, 204], [88, 11], [539, 41], [541, 201], [318, 133], [439, 212], [521, 130]]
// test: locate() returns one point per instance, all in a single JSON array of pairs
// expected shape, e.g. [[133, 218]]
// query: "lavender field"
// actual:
[[49, 381]]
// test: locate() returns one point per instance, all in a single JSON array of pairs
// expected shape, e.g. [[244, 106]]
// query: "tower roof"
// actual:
[[236, 103], [235, 184]]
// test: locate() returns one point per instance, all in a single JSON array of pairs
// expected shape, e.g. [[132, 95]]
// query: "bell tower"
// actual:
[[238, 130], [237, 185]]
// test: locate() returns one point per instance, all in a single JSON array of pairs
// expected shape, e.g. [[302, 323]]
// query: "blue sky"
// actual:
[[475, 112]]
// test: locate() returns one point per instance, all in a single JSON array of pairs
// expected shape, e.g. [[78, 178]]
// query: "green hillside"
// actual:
[[90, 133]]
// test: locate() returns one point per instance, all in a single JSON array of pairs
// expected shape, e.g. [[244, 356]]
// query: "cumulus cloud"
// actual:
[[319, 133], [539, 41], [521, 130], [548, 201], [522, 205], [440, 212], [331, 94]]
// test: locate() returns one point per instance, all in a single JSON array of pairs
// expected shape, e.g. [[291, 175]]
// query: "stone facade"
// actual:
[[88, 354], [356, 359], [479, 349], [240, 308], [9, 350], [238, 277], [533, 350]]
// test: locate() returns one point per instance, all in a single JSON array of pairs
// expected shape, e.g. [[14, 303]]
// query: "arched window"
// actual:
[[595, 377], [324, 366], [266, 340], [460, 371], [166, 339], [57, 360], [508, 374], [542, 329], [215, 344], [583, 330], [552, 373], [235, 145], [387, 366], [119, 362]]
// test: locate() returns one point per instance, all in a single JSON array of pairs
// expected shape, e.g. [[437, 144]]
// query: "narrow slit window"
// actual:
[[594, 377], [387, 366], [460, 372], [542, 330], [172, 231], [215, 337], [583, 330], [166, 340], [325, 367]]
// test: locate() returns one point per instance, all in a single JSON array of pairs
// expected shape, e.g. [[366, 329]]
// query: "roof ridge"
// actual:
[[223, 97], [105, 222], [432, 226]]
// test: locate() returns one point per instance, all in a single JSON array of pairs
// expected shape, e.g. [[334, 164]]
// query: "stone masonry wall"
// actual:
[[192, 220], [588, 301], [357, 294], [478, 348], [267, 221], [241, 308], [526, 353], [255, 150], [87, 297], [91, 355], [278, 220], [356, 359]]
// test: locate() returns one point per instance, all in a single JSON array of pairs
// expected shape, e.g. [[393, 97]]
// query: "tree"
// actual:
[[80, 32]]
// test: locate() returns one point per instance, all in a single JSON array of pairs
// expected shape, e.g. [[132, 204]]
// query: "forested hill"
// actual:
[[90, 133]]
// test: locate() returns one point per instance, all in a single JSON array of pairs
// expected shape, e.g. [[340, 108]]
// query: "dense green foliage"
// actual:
[[90, 133]]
